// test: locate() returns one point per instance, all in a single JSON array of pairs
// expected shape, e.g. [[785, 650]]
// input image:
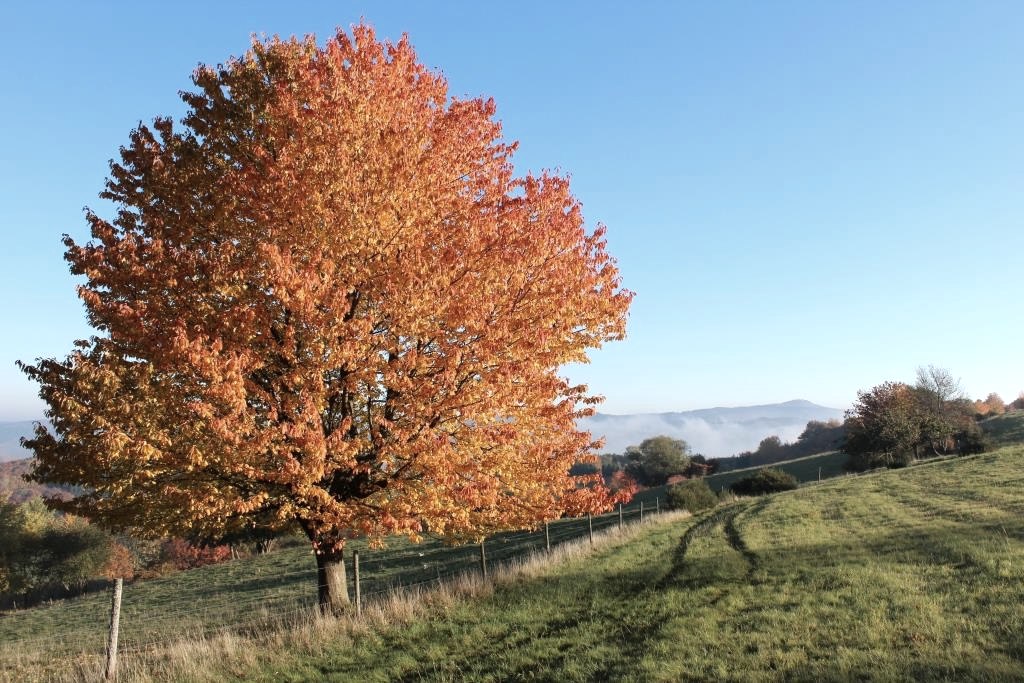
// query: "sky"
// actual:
[[808, 198]]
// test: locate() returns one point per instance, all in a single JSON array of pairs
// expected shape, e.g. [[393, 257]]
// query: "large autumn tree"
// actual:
[[327, 301]]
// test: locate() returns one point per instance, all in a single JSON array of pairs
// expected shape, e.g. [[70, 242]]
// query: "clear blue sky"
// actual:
[[808, 198]]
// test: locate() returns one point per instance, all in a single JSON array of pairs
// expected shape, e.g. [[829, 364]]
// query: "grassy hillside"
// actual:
[[909, 575], [1005, 429], [13, 484], [916, 574], [805, 469], [246, 595]]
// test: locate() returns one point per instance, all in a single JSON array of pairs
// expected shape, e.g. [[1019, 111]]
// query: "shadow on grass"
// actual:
[[594, 624]]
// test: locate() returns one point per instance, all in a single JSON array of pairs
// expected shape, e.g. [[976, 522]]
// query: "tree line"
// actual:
[[889, 425], [894, 423]]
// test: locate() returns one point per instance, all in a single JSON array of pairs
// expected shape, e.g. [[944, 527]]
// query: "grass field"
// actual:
[[248, 595], [911, 574], [1005, 429], [904, 575], [806, 469]]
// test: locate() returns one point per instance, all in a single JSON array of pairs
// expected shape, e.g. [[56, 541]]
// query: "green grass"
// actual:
[[1005, 429], [251, 594], [914, 574], [903, 575], [805, 470]]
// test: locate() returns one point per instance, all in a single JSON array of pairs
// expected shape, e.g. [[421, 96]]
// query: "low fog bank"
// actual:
[[714, 432]]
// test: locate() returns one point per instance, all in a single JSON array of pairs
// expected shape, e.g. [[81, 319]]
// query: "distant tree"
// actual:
[[882, 427], [181, 554], [893, 423], [610, 464], [945, 416], [819, 437], [581, 469], [700, 466], [765, 480], [12, 525], [657, 459], [937, 387], [995, 404], [1018, 403], [770, 447]]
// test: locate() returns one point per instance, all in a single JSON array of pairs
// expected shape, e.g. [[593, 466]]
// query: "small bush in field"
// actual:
[[767, 480], [181, 554], [693, 495]]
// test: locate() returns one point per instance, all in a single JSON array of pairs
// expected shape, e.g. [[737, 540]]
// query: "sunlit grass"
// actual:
[[903, 575], [915, 574]]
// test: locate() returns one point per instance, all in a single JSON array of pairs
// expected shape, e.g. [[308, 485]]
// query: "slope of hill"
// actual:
[[13, 484], [714, 432], [914, 574], [903, 575], [1005, 429]]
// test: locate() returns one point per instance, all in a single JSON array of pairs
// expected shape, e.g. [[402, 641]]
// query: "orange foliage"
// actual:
[[327, 300], [623, 486], [120, 563], [181, 554]]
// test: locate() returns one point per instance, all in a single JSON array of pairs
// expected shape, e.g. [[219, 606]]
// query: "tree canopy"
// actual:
[[326, 299], [894, 423], [657, 459]]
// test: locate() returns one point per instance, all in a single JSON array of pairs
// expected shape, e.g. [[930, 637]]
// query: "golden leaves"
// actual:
[[328, 299]]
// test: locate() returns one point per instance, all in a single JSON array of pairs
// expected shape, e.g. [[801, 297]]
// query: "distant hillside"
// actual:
[[1006, 429], [19, 490], [715, 432], [10, 439]]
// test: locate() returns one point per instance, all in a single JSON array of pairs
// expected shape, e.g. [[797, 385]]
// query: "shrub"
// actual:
[[180, 554], [973, 441], [693, 495], [767, 480]]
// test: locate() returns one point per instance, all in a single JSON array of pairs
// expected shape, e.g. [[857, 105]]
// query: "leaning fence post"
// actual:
[[110, 672], [355, 576], [483, 560], [547, 537], [590, 526]]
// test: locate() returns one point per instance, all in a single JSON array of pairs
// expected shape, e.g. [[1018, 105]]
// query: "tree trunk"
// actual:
[[332, 583]]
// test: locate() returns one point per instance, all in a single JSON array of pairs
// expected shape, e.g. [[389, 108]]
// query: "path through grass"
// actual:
[[906, 575]]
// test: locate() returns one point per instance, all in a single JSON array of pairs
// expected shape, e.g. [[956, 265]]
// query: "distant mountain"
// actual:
[[715, 432], [10, 439]]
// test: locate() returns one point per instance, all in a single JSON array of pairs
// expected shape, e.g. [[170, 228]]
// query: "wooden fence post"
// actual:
[[620, 516], [657, 505], [547, 537], [483, 560], [641, 511], [110, 671], [590, 526], [355, 576]]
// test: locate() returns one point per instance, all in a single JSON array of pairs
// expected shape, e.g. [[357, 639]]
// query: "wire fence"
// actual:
[[157, 612]]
